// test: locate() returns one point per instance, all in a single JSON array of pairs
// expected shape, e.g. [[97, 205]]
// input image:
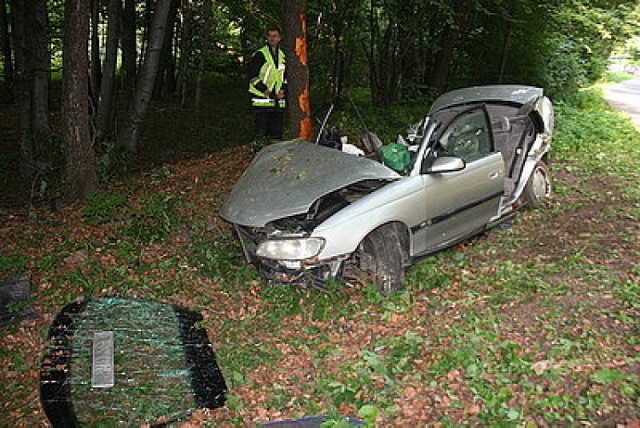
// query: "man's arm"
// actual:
[[253, 72], [285, 86]]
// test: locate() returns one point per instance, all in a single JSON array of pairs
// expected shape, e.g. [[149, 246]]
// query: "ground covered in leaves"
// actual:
[[534, 323]]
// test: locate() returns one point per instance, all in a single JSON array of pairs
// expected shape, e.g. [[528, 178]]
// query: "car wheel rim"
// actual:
[[541, 187]]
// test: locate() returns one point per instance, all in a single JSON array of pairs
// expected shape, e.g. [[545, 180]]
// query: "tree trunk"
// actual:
[[338, 62], [438, 77], [371, 49], [105, 101], [80, 159], [24, 85], [128, 138], [128, 43], [505, 52], [42, 64], [6, 48], [186, 35], [297, 69], [32, 79], [206, 48], [96, 63], [146, 28], [166, 68]]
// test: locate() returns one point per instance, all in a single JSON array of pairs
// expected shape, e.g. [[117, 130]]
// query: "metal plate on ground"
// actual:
[[102, 368]]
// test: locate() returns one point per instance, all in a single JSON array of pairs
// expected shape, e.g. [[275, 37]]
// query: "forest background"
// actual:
[[125, 123], [79, 76]]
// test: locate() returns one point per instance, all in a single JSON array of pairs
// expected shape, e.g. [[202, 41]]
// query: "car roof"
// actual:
[[511, 94]]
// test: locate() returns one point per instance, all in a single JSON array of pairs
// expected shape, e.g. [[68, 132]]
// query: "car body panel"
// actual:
[[427, 205], [472, 198], [512, 94], [399, 201], [286, 178], [508, 129]]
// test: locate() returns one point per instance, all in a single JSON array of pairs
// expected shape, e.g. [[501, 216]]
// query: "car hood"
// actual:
[[286, 178]]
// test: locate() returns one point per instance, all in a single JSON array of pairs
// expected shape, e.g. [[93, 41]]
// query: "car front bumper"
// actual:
[[308, 273]]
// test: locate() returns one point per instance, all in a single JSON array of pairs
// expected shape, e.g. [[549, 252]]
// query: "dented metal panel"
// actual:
[[286, 178], [515, 94]]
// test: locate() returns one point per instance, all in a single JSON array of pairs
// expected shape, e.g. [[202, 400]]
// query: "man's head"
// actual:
[[273, 37]]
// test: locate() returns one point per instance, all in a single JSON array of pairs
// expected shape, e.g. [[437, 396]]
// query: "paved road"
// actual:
[[625, 96]]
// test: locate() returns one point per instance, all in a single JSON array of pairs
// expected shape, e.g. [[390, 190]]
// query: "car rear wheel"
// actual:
[[539, 186], [380, 255]]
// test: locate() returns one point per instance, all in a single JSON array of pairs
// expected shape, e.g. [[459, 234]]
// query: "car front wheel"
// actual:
[[380, 255], [539, 185]]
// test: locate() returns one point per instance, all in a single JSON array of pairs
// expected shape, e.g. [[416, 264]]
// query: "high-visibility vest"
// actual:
[[272, 75]]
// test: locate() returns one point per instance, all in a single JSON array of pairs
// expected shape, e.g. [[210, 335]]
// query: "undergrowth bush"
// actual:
[[590, 131]]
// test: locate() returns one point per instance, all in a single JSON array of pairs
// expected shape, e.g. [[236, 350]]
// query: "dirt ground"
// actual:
[[598, 230]]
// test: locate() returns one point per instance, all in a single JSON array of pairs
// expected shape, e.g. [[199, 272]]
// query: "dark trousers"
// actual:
[[269, 123]]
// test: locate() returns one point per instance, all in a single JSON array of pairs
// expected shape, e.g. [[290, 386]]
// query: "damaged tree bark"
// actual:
[[297, 68]]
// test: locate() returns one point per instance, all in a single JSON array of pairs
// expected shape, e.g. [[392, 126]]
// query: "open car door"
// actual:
[[460, 203]]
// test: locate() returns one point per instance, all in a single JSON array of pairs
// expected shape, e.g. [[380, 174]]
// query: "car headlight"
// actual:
[[290, 249]]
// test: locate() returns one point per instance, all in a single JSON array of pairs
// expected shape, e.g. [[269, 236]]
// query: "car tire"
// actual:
[[381, 257], [538, 188]]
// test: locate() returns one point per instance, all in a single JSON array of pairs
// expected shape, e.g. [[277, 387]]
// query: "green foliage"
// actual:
[[13, 264], [148, 220], [225, 120], [110, 161], [103, 207], [618, 77], [590, 132], [154, 218]]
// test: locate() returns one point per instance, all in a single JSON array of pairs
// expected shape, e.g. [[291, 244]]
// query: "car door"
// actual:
[[461, 202]]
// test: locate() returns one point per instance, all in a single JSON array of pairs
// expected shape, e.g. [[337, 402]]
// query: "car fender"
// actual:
[[538, 151], [396, 202], [544, 109]]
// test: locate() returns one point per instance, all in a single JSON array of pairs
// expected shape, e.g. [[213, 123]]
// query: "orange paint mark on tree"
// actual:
[[305, 122], [301, 50], [301, 42]]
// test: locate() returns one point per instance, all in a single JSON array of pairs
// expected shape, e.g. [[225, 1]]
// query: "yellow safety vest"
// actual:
[[272, 76]]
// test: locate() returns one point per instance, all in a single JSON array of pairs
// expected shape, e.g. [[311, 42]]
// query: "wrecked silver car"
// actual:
[[306, 213]]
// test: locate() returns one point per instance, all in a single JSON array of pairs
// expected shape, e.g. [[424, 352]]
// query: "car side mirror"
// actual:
[[444, 164]]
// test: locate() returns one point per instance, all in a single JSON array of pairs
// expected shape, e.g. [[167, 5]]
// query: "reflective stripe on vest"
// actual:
[[263, 102]]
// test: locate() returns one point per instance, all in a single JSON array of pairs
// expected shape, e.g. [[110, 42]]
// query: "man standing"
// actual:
[[268, 86]]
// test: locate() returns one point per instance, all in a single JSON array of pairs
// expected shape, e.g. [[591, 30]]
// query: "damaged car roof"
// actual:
[[285, 179], [515, 94]]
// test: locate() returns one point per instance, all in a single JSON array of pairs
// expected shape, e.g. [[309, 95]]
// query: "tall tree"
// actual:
[[24, 76], [130, 134], [41, 77], [448, 40], [107, 85], [32, 78], [166, 65], [186, 39], [206, 48], [81, 177], [129, 44], [295, 28], [5, 42], [96, 62]]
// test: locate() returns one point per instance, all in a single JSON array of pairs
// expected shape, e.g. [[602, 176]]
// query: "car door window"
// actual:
[[467, 137]]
